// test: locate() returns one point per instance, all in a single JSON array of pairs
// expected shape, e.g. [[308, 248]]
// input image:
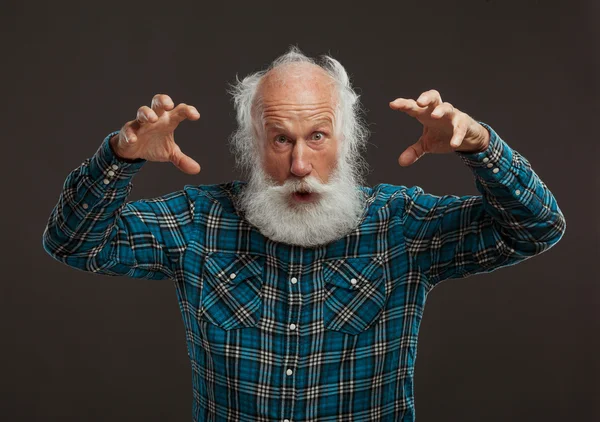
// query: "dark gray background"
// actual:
[[519, 344]]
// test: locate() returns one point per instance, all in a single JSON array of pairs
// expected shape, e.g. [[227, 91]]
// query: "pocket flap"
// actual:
[[353, 273], [233, 268]]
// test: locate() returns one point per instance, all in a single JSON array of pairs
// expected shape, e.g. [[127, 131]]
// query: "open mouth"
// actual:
[[304, 196]]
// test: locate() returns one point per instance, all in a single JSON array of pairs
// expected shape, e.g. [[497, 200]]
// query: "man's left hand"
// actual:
[[445, 128]]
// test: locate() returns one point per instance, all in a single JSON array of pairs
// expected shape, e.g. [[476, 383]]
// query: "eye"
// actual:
[[281, 139], [318, 136]]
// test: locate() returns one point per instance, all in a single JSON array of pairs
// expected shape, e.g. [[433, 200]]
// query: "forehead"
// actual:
[[297, 85]]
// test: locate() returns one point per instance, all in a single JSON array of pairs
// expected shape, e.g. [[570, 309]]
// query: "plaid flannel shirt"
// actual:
[[284, 333]]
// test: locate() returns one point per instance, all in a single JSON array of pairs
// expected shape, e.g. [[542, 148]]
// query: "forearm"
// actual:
[[515, 217], [515, 197], [82, 222]]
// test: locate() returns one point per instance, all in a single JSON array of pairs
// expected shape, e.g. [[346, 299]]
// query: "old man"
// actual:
[[301, 289]]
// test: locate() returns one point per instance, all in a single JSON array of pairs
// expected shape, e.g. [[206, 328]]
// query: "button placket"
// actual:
[[110, 173], [292, 338]]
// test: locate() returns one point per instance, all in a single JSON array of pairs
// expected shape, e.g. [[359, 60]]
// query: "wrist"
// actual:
[[479, 144], [114, 146]]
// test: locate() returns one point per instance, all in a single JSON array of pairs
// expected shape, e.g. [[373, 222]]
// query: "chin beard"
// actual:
[[327, 213]]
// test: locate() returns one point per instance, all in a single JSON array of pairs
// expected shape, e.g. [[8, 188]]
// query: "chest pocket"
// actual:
[[355, 294], [231, 290]]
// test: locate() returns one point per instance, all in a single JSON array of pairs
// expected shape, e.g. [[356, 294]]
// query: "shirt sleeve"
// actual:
[[93, 228], [515, 218]]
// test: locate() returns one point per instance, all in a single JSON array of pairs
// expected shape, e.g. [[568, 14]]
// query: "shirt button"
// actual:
[[85, 206], [294, 280], [114, 166], [286, 420], [496, 170], [111, 173], [490, 165], [106, 181], [485, 160], [353, 281], [518, 192], [289, 372], [232, 276], [292, 326]]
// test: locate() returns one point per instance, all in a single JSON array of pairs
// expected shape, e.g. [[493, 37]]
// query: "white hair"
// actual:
[[350, 126]]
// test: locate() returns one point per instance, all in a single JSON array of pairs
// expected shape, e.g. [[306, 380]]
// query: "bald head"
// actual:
[[298, 83]]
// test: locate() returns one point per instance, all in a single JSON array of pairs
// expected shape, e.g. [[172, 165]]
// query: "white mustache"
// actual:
[[307, 184]]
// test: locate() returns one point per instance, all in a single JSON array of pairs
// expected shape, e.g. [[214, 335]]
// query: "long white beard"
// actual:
[[269, 207]]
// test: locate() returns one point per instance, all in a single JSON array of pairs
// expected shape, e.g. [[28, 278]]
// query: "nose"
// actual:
[[301, 165]]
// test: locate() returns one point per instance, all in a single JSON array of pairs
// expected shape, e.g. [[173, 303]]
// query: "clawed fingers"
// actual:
[[460, 130], [442, 109], [408, 106], [162, 103], [184, 162], [430, 98], [146, 115], [128, 132], [184, 111]]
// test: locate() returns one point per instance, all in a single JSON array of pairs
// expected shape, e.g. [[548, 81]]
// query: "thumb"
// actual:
[[185, 163], [411, 154]]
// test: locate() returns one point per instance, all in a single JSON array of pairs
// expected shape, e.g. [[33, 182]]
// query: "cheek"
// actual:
[[330, 159], [276, 166]]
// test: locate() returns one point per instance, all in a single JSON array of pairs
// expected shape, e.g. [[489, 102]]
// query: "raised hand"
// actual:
[[150, 136], [445, 128]]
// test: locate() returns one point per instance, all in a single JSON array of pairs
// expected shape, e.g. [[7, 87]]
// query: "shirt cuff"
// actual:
[[110, 170], [493, 164]]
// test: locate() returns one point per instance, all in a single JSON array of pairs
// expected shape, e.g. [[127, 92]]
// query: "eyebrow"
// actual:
[[323, 122], [275, 125]]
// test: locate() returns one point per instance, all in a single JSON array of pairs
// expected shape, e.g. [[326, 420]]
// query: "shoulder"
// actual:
[[220, 195], [390, 199]]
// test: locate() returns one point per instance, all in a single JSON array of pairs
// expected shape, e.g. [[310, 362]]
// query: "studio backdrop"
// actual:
[[517, 344]]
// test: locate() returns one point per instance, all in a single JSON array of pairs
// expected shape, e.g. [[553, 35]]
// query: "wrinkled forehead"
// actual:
[[297, 84]]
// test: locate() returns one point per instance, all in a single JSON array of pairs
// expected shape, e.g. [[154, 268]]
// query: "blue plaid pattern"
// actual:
[[283, 333]]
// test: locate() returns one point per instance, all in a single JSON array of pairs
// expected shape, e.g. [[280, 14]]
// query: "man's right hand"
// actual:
[[150, 136]]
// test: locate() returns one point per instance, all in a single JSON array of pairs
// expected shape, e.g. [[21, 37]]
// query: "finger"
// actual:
[[411, 154], [146, 115], [442, 110], [162, 103], [431, 98], [184, 111], [128, 132], [460, 131], [184, 163], [407, 106]]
